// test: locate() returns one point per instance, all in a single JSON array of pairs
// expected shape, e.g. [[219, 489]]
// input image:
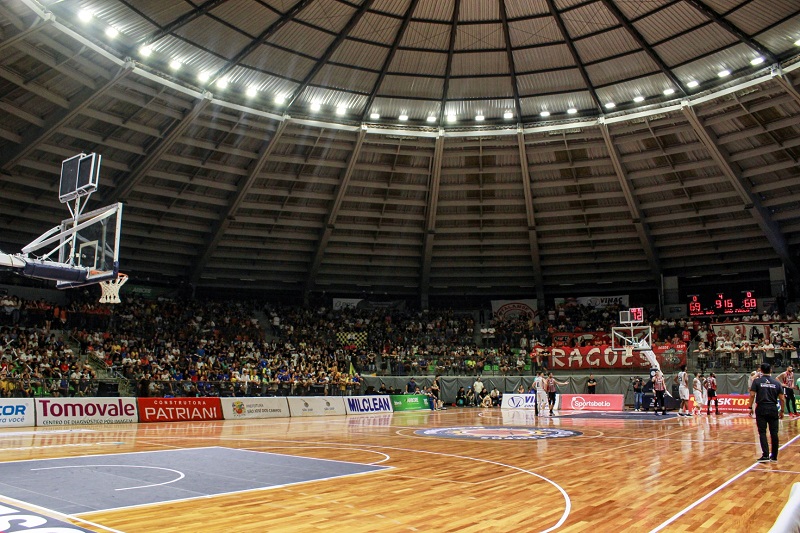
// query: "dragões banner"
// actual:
[[589, 357], [356, 405], [504, 309], [592, 402], [179, 409], [65, 411], [316, 406], [16, 412], [409, 402], [240, 408]]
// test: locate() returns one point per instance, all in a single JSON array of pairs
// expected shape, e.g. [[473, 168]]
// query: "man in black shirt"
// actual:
[[765, 392], [591, 385]]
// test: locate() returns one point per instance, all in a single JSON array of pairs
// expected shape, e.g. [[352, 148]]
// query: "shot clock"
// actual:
[[723, 304]]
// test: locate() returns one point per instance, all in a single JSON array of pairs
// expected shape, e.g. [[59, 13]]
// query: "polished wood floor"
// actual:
[[672, 475]]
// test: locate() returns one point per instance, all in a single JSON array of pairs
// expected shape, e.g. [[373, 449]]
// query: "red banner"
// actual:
[[179, 409], [728, 403], [589, 357], [592, 402]]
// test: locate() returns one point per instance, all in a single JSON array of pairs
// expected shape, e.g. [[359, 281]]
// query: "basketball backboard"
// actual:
[[79, 176]]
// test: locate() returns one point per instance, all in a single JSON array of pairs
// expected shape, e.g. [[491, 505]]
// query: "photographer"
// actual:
[[638, 393]]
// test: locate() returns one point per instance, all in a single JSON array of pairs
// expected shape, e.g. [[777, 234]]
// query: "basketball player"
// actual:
[[541, 392], [659, 388], [711, 390], [682, 380], [697, 390], [552, 390], [786, 379]]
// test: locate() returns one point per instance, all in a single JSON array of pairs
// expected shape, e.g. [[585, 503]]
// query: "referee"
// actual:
[[765, 392]]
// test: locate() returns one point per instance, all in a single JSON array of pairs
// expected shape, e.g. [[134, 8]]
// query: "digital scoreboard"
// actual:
[[723, 304]]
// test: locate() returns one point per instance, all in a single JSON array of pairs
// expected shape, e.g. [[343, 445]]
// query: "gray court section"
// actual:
[[82, 484]]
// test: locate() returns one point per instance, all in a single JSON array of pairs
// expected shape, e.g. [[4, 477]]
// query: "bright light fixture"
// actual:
[[668, 92], [451, 118], [251, 92], [610, 105], [797, 42], [479, 118], [341, 110], [204, 77], [638, 99], [571, 111], [315, 106], [145, 50], [175, 64], [431, 118], [756, 60], [374, 116], [724, 73], [508, 114], [280, 99], [544, 114], [112, 32], [222, 83], [403, 117], [85, 15], [692, 84]]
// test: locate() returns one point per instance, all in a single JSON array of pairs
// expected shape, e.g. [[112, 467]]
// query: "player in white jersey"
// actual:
[[682, 380], [541, 393], [697, 390]]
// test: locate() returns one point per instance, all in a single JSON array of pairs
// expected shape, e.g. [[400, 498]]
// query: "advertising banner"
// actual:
[[511, 308], [600, 302], [316, 406], [355, 405], [593, 402], [521, 401], [64, 411], [16, 412], [409, 402], [589, 357], [179, 409], [240, 408], [728, 403], [345, 303]]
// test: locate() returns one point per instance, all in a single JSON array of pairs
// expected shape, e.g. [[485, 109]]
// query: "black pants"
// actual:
[[762, 421], [660, 402], [789, 392]]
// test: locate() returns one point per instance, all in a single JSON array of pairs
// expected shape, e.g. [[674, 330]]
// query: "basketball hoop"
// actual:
[[111, 289]]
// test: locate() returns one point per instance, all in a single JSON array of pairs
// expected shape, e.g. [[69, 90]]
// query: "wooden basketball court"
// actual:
[[492, 470]]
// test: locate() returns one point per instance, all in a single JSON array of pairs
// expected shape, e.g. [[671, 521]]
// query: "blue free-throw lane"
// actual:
[[77, 485]]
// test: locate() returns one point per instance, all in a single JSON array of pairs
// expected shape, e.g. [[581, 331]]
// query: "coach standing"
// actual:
[[766, 391]]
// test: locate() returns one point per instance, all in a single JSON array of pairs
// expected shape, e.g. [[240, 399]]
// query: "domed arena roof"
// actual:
[[448, 147]]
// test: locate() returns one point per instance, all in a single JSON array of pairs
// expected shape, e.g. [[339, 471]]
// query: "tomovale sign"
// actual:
[[63, 411]]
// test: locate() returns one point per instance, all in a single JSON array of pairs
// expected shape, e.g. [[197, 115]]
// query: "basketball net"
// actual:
[[111, 288]]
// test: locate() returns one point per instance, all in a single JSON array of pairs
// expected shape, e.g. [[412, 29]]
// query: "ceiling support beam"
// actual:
[[330, 224], [242, 189], [785, 82], [449, 66], [389, 58], [510, 57], [642, 230], [184, 19], [157, 150], [751, 201], [13, 154], [37, 25], [633, 32], [261, 39], [430, 221], [574, 52], [733, 29], [323, 60], [536, 258]]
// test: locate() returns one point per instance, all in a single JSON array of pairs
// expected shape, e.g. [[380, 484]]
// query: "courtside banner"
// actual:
[[179, 409], [240, 408], [409, 402], [65, 411], [589, 357], [16, 412], [728, 403], [522, 401], [316, 406], [592, 402], [356, 405]]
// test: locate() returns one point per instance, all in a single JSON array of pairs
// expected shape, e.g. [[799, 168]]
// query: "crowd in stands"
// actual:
[[192, 347]]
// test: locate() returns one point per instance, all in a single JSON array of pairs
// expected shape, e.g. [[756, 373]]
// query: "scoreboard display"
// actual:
[[723, 304]]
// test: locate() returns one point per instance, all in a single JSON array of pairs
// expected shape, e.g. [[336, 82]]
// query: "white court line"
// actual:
[[109, 454], [298, 448], [181, 475], [713, 492], [50, 512]]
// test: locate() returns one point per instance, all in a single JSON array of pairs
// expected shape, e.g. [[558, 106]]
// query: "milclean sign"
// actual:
[[368, 404]]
